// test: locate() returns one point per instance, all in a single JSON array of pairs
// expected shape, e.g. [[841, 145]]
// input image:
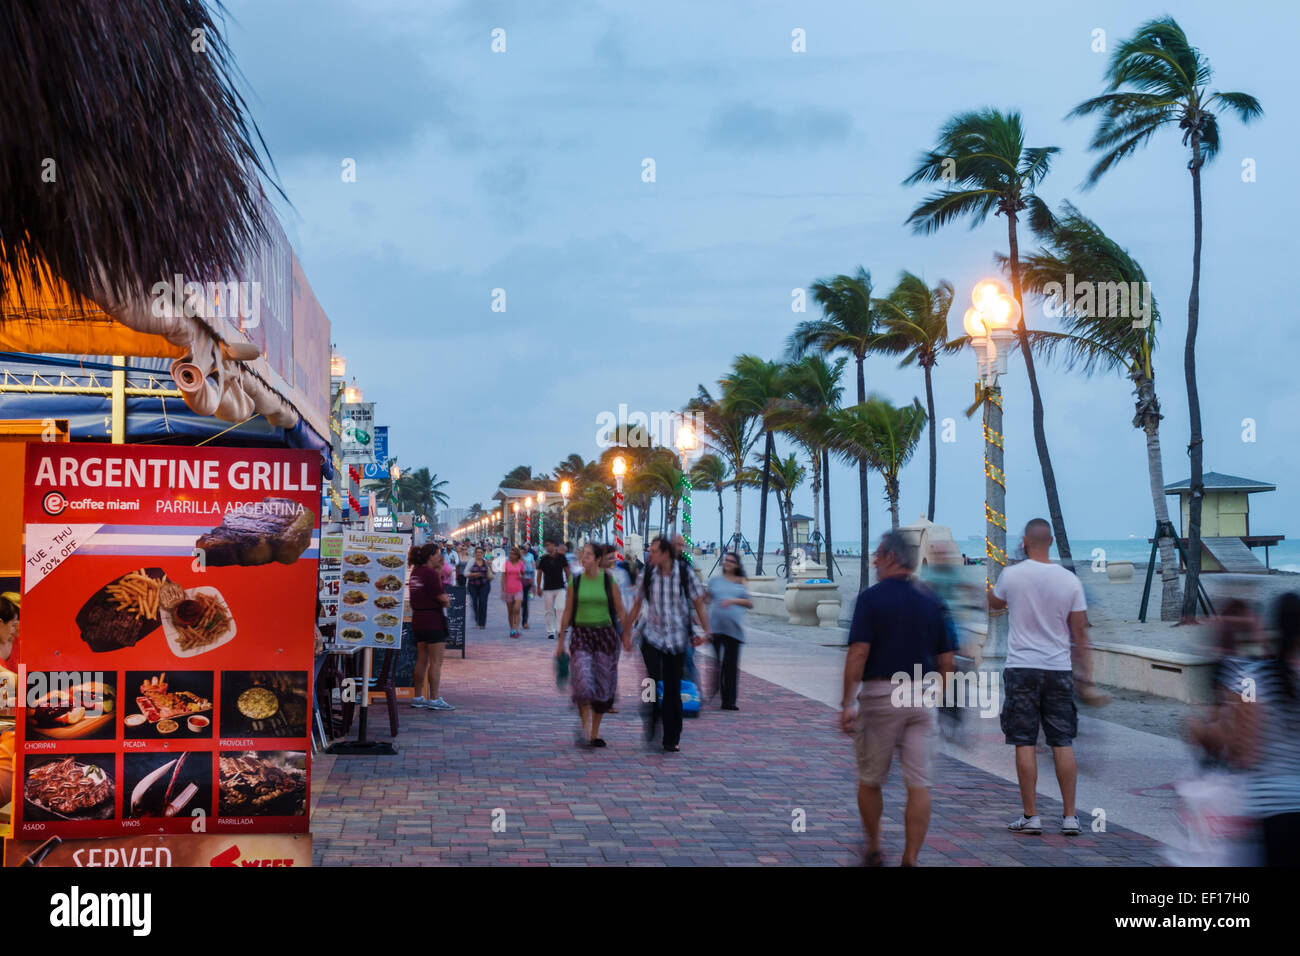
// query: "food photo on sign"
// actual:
[[64, 705], [176, 705]]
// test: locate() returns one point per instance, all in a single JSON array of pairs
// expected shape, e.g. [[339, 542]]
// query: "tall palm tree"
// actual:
[[883, 436], [121, 214], [751, 385], [1074, 251], [849, 324], [984, 156], [814, 389], [1158, 79], [916, 322], [731, 431], [520, 476], [787, 475], [423, 491], [661, 477], [709, 473]]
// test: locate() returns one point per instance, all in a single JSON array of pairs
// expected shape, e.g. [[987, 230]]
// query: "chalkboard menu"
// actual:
[[456, 619]]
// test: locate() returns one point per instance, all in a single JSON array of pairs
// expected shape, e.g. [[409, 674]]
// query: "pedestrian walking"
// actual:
[[553, 580], [593, 606], [512, 588], [897, 627], [1046, 609], [668, 594], [479, 583], [530, 580], [428, 624], [728, 600]]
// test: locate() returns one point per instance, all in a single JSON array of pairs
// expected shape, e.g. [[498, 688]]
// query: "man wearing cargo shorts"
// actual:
[[1046, 607], [896, 628]]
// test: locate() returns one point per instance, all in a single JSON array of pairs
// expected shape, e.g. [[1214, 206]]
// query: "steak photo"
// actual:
[[276, 530]]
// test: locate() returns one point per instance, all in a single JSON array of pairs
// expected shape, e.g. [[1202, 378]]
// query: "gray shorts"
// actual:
[[1032, 697]]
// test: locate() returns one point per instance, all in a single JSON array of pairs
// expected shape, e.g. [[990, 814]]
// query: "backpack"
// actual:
[[683, 569], [609, 596]]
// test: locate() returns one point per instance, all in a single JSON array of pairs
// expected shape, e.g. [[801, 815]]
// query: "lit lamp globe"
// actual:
[[565, 488], [685, 440], [619, 467]]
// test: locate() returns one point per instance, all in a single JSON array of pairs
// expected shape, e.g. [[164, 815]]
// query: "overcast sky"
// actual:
[[522, 171]]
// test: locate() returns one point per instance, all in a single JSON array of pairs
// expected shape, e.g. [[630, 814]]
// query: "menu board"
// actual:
[[456, 618], [372, 594], [168, 601]]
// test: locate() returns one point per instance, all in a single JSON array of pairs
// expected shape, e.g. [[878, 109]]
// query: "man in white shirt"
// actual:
[[1046, 607]]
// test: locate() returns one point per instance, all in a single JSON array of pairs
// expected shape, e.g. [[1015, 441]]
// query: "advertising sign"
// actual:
[[168, 600], [358, 432], [456, 618], [373, 589], [267, 850], [381, 445]]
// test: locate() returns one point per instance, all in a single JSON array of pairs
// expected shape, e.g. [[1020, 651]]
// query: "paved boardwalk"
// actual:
[[771, 784]]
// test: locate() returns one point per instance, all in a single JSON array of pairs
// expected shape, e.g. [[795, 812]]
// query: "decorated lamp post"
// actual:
[[620, 469], [686, 443], [528, 522], [565, 488], [991, 324], [514, 534], [541, 517]]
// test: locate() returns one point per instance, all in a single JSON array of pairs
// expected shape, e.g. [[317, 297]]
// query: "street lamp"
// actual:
[[565, 488], [620, 469], [515, 534], [686, 444], [541, 517], [991, 324], [528, 522]]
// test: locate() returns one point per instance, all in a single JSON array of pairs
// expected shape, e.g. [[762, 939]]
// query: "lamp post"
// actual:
[[991, 323], [686, 444], [541, 517], [620, 469], [514, 537], [528, 522], [565, 488]]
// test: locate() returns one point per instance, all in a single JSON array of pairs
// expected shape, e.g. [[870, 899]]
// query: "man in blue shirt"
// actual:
[[897, 627], [530, 580]]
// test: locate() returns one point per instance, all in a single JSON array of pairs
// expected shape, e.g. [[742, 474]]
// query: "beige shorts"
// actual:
[[883, 728]]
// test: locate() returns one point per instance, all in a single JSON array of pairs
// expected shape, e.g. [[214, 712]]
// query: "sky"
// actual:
[[522, 171]]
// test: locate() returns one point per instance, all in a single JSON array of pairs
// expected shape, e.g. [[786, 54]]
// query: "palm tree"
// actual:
[[386, 488], [916, 322], [709, 473], [1159, 79], [752, 384], [1075, 250], [661, 477], [849, 324], [881, 435], [520, 476], [983, 154], [787, 475], [121, 214], [730, 431], [423, 491], [814, 389]]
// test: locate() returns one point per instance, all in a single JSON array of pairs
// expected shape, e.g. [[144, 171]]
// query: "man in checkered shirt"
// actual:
[[666, 631]]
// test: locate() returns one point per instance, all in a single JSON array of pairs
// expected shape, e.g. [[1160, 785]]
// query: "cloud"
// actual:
[[747, 126]]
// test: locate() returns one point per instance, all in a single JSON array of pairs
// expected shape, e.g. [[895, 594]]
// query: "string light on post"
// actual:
[[565, 488], [541, 517], [991, 324], [686, 444], [620, 469], [515, 535]]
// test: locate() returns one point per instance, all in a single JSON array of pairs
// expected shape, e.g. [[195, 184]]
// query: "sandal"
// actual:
[[597, 742], [873, 858]]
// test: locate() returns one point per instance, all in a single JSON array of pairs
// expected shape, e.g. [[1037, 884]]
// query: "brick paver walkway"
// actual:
[[734, 795]]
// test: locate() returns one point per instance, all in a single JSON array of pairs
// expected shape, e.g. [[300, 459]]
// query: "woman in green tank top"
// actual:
[[593, 605]]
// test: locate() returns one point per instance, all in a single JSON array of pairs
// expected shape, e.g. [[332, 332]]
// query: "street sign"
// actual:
[[381, 445]]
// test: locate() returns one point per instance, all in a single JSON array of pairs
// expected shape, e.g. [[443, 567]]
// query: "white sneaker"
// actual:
[[419, 702], [1025, 824], [439, 704], [1070, 826]]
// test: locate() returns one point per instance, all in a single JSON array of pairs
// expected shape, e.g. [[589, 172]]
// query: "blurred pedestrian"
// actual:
[[478, 580], [593, 605], [728, 600], [512, 588], [428, 624]]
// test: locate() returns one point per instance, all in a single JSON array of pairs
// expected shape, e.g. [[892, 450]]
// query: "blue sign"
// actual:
[[373, 471], [381, 445]]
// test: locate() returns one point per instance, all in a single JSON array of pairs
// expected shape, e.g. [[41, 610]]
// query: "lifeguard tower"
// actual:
[[1226, 538]]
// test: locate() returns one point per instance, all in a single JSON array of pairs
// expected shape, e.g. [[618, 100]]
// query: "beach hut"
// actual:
[[800, 530], [1226, 537]]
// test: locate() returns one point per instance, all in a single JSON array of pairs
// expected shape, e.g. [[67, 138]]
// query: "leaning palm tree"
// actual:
[[991, 171], [751, 385], [732, 432], [1076, 253], [787, 475], [423, 491], [814, 389], [709, 473], [916, 323], [849, 324], [881, 435], [1158, 79], [117, 210]]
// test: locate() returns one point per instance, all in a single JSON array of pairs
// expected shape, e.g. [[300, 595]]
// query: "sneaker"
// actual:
[[419, 702], [1070, 826], [441, 704], [1025, 824], [550, 637]]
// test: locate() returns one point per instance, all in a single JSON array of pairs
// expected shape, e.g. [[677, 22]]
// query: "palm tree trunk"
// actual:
[[816, 490], [1040, 435], [929, 405], [736, 533], [1194, 442], [718, 489], [864, 562], [762, 501], [784, 506], [891, 488], [1170, 606]]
